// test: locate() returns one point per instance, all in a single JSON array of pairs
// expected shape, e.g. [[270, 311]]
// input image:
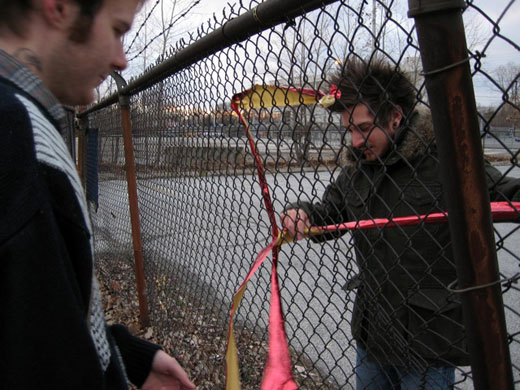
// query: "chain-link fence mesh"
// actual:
[[113, 235], [203, 219]]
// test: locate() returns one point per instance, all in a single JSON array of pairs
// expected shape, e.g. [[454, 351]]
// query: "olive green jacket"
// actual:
[[404, 313]]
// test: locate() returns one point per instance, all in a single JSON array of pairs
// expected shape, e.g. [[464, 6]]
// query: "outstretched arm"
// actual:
[[330, 210]]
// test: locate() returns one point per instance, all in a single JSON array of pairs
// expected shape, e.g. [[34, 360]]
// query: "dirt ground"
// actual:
[[201, 348]]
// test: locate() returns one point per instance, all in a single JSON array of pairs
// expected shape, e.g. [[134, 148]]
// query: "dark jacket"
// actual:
[[404, 313], [52, 330]]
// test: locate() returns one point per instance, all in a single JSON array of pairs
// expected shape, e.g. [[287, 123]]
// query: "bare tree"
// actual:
[[167, 22], [155, 24], [309, 51], [508, 77]]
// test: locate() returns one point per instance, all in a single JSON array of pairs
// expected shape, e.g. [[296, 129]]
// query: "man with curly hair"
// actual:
[[407, 324]]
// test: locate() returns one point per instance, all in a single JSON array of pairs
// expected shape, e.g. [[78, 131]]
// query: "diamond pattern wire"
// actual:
[[202, 215]]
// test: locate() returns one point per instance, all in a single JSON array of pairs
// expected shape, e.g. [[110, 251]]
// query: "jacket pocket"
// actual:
[[435, 328], [427, 240], [357, 203], [357, 199], [418, 199]]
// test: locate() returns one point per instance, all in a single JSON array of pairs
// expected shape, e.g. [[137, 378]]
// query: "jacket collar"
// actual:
[[18, 74]]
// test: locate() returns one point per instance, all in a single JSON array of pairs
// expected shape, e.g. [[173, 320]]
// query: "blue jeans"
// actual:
[[374, 376]]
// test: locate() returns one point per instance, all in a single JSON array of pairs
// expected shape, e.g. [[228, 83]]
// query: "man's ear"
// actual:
[[396, 116], [58, 13]]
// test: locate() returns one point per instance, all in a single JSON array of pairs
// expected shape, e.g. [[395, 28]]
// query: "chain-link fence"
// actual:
[[203, 219]]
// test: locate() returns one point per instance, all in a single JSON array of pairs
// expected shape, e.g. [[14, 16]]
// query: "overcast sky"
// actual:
[[498, 51]]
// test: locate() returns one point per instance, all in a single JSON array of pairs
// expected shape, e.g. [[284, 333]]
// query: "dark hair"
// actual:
[[376, 83], [87, 11], [13, 12]]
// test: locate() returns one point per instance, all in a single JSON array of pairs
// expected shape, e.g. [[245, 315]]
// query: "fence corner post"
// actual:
[[82, 150], [444, 54], [131, 177]]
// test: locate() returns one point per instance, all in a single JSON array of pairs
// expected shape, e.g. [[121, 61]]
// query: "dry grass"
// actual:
[[199, 346]]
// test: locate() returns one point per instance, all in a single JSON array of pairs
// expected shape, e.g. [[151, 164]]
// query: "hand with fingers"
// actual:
[[167, 374], [296, 222]]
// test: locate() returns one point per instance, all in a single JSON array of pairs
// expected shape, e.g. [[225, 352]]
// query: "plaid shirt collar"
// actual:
[[21, 76]]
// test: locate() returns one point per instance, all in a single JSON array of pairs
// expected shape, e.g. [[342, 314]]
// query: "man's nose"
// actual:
[[358, 139], [119, 63]]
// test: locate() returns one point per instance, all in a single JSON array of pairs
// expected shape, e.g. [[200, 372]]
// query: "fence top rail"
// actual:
[[267, 14]]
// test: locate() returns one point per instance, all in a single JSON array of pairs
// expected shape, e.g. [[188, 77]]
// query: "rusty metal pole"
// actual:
[[131, 178], [82, 151], [442, 43]]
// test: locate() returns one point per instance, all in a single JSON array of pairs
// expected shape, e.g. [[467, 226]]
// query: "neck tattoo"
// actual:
[[29, 58]]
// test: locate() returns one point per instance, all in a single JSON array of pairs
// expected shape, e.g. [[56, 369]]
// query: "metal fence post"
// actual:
[[131, 177], [444, 53], [82, 150], [70, 130]]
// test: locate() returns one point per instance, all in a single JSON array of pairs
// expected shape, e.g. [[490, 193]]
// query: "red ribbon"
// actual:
[[277, 372]]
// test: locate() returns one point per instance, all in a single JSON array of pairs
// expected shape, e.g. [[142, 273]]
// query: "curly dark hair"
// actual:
[[376, 83]]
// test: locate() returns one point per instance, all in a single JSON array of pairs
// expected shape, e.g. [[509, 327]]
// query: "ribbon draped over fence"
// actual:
[[277, 371]]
